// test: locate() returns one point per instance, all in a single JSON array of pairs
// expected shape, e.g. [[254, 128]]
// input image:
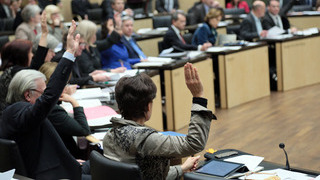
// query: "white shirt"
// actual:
[[177, 31]]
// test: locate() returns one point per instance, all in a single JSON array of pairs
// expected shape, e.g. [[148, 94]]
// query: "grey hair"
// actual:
[[174, 16], [127, 18], [30, 11], [21, 82]]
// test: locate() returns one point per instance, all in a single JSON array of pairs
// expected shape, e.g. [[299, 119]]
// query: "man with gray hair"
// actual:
[[29, 28], [251, 27], [25, 119]]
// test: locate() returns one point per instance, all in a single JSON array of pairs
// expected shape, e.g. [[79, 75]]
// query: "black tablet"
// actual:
[[219, 168]]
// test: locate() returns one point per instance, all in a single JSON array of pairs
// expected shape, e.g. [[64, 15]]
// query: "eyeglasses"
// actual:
[[40, 92]]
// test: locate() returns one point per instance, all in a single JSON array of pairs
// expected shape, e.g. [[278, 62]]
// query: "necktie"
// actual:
[[137, 49], [184, 42]]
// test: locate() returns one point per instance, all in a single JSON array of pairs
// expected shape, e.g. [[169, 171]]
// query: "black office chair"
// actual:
[[234, 11], [234, 29], [161, 21], [299, 8], [95, 15], [160, 46], [3, 41], [104, 168], [10, 157], [188, 38]]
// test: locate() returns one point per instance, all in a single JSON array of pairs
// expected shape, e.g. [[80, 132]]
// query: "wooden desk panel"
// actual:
[[150, 46], [142, 23], [244, 76], [179, 98], [156, 120], [298, 63], [304, 22]]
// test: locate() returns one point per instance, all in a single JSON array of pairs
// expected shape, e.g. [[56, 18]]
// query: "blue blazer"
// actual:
[[204, 34], [111, 57]]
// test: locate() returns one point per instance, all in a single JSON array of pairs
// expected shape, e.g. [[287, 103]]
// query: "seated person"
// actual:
[[173, 37], [239, 4], [52, 45], [169, 6], [90, 59], [28, 29], [200, 11], [207, 32], [130, 141], [251, 26], [272, 18], [25, 119], [111, 8], [80, 8], [126, 52], [55, 22], [17, 55], [65, 125]]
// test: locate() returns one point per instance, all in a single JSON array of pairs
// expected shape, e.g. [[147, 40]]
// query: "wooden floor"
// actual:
[[291, 117]]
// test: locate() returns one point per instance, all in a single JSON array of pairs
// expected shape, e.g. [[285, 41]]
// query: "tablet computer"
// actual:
[[219, 168]]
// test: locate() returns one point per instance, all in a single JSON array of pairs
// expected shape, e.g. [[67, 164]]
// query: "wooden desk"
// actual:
[[297, 61], [304, 21], [178, 99], [243, 75]]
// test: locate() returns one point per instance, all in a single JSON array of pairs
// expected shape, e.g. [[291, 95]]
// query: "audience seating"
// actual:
[[161, 21], [10, 157], [104, 168]]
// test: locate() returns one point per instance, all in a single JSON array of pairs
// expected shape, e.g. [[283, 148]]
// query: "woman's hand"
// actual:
[[72, 41], [44, 30], [190, 164], [192, 80], [118, 70]]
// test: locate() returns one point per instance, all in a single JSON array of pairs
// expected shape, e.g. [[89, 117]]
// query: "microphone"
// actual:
[[281, 145]]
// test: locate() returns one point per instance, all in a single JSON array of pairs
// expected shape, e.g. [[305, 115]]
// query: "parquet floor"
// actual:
[[257, 127]]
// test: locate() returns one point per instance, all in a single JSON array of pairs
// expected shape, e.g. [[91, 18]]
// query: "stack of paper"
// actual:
[[224, 48], [250, 161], [87, 103], [309, 31], [281, 173], [100, 115], [154, 62], [91, 93], [160, 59], [117, 76], [275, 31]]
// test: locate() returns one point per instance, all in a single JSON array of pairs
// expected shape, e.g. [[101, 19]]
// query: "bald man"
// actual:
[[251, 27]]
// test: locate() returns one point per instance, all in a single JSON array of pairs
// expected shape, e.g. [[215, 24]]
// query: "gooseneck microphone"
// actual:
[[281, 145]]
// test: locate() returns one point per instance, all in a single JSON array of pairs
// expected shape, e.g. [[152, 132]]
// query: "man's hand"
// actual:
[[190, 164], [264, 33], [118, 70], [100, 77], [72, 41], [110, 26], [293, 30], [192, 80], [205, 46]]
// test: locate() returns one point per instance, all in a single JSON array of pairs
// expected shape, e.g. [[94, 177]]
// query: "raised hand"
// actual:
[[44, 28], [192, 80], [72, 41]]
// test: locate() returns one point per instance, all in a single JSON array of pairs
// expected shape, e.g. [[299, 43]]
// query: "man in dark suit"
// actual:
[[251, 27], [272, 18], [24, 120], [134, 51], [169, 6], [5, 10], [201, 10], [173, 37]]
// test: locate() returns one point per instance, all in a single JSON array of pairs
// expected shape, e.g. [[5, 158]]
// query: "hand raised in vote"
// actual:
[[192, 80], [72, 41]]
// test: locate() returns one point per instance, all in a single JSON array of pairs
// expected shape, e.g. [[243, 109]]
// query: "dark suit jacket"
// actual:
[[161, 5], [268, 23], [198, 14], [43, 152], [248, 29], [171, 39], [131, 52], [80, 7], [3, 12]]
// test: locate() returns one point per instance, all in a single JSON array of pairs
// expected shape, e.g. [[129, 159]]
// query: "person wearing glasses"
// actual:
[[208, 31]]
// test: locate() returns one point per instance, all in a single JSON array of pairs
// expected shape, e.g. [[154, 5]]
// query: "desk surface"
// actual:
[[289, 39], [243, 48]]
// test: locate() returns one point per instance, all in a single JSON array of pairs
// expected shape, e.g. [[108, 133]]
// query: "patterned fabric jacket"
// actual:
[[131, 142]]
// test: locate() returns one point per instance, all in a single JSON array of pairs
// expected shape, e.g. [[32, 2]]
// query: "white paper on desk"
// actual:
[[143, 30], [282, 36], [86, 103], [7, 175], [194, 54], [166, 51], [102, 121], [113, 76], [307, 32], [221, 49], [275, 31], [311, 12], [250, 161], [91, 93], [281, 173], [149, 64], [160, 59], [99, 135]]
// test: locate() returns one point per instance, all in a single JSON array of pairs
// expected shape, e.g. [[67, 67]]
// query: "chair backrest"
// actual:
[[299, 8], [160, 46], [233, 11], [188, 38], [3, 41], [95, 15], [104, 168], [10, 157], [161, 21]]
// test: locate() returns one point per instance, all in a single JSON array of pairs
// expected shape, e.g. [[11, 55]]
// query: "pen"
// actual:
[[121, 62]]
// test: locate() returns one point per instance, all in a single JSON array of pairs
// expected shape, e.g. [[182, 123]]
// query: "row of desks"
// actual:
[[243, 76]]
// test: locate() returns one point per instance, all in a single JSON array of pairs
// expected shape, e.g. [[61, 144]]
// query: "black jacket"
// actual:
[[248, 29], [268, 23], [197, 14], [43, 152], [160, 5], [171, 39]]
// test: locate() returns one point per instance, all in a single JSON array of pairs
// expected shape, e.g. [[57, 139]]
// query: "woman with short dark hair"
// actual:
[[129, 140]]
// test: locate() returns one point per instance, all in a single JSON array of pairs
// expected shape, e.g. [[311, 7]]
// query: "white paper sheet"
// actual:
[[84, 103], [275, 31], [8, 175], [91, 93], [102, 121], [281, 173], [160, 59], [224, 48], [248, 160], [99, 135]]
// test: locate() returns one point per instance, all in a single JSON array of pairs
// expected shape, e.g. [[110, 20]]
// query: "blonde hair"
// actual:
[[51, 9], [47, 69], [213, 13], [87, 29]]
